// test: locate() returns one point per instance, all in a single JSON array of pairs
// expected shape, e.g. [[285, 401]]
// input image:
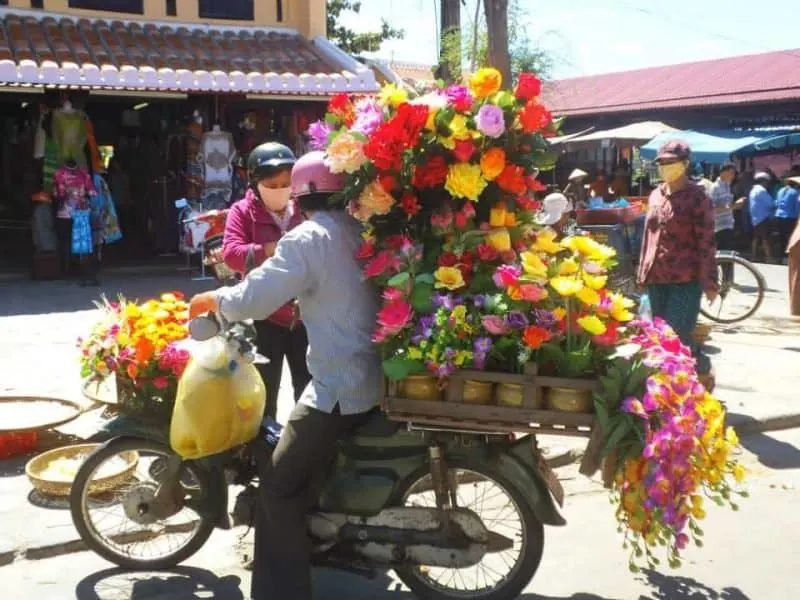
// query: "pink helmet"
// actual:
[[310, 175]]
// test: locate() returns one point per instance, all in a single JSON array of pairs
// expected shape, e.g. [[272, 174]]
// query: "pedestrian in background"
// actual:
[[762, 211], [793, 251], [678, 259], [787, 209], [724, 205]]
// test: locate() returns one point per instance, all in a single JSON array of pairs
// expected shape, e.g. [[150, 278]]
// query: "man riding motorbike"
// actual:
[[315, 263]]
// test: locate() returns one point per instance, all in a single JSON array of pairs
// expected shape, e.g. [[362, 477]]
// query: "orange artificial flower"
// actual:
[[493, 162], [485, 82], [534, 337], [132, 371], [144, 350]]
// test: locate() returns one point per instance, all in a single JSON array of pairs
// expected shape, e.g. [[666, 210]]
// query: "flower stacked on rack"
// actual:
[[674, 451], [139, 344]]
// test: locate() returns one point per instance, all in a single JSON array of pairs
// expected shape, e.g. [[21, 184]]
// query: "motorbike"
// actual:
[[456, 514]]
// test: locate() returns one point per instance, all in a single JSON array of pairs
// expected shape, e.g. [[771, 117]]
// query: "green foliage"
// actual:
[[469, 49], [350, 41]]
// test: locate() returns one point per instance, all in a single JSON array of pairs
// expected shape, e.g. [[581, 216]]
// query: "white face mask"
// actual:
[[276, 199]]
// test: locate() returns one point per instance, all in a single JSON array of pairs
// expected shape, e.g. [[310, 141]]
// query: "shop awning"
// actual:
[[70, 52], [709, 146], [563, 139], [634, 133]]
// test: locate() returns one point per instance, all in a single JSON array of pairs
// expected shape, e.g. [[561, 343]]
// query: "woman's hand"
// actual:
[[711, 295], [201, 304]]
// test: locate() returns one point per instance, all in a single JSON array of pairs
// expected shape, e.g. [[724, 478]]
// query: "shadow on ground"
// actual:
[[182, 583], [772, 453], [685, 588]]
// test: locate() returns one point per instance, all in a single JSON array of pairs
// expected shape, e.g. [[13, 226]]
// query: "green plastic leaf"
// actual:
[[422, 298], [401, 367], [602, 412], [424, 278], [399, 280], [615, 437]]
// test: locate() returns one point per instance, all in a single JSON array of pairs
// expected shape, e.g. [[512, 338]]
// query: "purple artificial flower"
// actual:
[[482, 345], [443, 301], [517, 320], [544, 318], [369, 117], [479, 301], [318, 133], [490, 121], [495, 324], [479, 361]]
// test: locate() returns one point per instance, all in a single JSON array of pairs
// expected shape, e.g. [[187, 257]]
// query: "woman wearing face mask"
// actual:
[[678, 261], [252, 230]]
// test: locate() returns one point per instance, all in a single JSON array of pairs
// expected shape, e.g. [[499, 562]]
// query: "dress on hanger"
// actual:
[[218, 152], [69, 132], [73, 188]]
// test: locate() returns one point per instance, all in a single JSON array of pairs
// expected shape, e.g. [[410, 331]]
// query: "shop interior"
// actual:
[[145, 153]]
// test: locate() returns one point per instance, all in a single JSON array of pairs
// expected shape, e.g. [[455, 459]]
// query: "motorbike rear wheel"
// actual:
[[133, 498], [498, 502]]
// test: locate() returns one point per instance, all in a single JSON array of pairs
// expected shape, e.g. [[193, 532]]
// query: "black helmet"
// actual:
[[267, 159]]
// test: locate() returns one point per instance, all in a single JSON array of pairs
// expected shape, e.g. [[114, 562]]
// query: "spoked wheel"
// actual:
[[122, 521], [503, 509], [741, 291]]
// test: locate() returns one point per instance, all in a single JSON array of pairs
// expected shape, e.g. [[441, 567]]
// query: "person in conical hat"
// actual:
[[576, 190]]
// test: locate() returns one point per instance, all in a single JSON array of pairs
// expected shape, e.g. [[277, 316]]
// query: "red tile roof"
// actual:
[[768, 77], [97, 53]]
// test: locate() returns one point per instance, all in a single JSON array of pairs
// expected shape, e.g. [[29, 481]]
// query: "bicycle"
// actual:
[[732, 272]]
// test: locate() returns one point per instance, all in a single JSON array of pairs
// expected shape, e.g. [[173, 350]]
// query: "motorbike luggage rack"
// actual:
[[452, 414]]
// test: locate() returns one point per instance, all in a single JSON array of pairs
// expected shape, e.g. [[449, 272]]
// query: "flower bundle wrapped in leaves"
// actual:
[[139, 344], [672, 448]]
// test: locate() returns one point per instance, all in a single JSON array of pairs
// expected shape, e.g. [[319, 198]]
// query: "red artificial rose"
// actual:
[[460, 220], [468, 210], [388, 182], [528, 87], [385, 149], [508, 256], [410, 120], [512, 180], [487, 253], [534, 117], [409, 204], [383, 263], [366, 249], [394, 242], [464, 150], [342, 108], [430, 174], [448, 259], [528, 203], [534, 184], [610, 337]]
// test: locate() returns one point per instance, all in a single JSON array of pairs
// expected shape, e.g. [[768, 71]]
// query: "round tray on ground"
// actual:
[[54, 485], [35, 413], [101, 392]]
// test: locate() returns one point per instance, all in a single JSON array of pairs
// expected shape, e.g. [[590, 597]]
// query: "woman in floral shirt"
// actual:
[[678, 262]]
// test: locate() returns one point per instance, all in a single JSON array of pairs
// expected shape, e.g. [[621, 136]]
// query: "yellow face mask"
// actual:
[[672, 172]]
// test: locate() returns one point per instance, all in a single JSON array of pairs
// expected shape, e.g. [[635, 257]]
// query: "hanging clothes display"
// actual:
[[218, 150], [97, 163], [105, 213], [49, 164], [69, 132], [73, 188], [193, 170], [82, 241]]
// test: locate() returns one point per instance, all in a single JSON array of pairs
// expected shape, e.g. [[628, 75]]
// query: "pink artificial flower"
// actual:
[[459, 98], [161, 383], [392, 294], [395, 315], [633, 406], [443, 220], [383, 262], [532, 293], [506, 275], [495, 325]]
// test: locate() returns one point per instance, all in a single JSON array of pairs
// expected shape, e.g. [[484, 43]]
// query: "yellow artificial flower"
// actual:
[[485, 82], [588, 296], [620, 306], [596, 282], [461, 357], [533, 265], [566, 286], [546, 242], [414, 353], [592, 325], [459, 313], [392, 95], [589, 248], [449, 278], [497, 215], [499, 239], [465, 180], [559, 313], [568, 266], [731, 437], [739, 473], [514, 292], [459, 130]]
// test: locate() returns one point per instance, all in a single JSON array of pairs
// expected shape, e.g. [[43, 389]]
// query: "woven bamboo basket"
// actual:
[[36, 467]]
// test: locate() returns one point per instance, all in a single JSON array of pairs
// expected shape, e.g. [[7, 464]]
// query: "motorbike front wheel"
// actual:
[[504, 510], [113, 506]]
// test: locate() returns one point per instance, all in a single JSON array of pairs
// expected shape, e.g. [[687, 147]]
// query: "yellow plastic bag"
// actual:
[[219, 404]]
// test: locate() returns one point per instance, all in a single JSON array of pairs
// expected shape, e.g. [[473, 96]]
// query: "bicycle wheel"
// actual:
[[741, 291]]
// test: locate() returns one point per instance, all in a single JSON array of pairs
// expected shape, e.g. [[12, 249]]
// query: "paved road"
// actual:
[[749, 555]]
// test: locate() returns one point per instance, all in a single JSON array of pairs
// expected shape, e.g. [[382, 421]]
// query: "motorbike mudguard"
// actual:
[[518, 463]]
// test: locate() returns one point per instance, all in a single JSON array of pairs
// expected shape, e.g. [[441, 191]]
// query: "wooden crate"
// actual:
[[451, 413]]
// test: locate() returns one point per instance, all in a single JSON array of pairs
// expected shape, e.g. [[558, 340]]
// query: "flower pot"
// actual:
[[569, 399], [420, 387], [477, 392], [509, 394]]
